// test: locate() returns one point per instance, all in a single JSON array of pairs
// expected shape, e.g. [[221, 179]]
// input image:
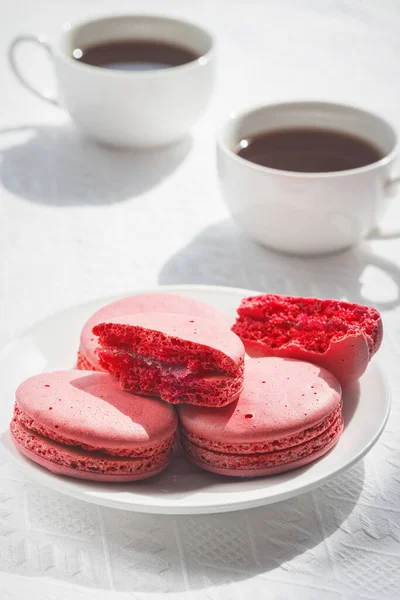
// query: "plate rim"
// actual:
[[39, 474]]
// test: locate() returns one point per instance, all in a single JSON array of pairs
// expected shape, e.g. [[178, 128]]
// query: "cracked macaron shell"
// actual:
[[141, 303]]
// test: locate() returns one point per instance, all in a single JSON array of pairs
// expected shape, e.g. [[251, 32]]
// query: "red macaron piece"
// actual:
[[182, 359], [339, 336], [288, 415], [81, 424], [139, 303]]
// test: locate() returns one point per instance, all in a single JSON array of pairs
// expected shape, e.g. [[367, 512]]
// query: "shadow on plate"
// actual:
[[222, 255], [55, 165], [351, 398]]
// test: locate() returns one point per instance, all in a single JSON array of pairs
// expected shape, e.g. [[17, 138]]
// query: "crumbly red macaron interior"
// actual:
[[172, 383], [156, 347], [279, 321]]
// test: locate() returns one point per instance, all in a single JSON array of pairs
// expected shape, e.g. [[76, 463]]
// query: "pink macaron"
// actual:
[[180, 358], [141, 303], [288, 415], [339, 336], [81, 424]]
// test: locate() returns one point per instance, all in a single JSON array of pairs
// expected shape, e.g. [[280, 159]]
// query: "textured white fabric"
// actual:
[[78, 222]]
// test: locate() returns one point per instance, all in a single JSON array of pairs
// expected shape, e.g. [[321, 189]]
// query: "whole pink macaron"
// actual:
[[288, 415], [81, 424], [141, 303], [180, 358]]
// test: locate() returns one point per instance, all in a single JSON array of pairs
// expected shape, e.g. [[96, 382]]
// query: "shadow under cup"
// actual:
[[129, 108], [306, 213]]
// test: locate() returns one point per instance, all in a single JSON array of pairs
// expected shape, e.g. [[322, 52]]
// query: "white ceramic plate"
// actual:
[[183, 488]]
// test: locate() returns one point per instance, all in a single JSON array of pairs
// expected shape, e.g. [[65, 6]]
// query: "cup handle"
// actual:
[[390, 184], [45, 94], [381, 234]]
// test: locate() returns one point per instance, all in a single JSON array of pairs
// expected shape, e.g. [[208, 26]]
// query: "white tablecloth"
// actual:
[[78, 222]]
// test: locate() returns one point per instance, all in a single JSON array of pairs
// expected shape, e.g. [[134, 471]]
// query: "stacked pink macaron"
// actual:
[[288, 415], [81, 424], [114, 418]]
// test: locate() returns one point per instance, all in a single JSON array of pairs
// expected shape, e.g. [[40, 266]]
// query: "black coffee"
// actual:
[[309, 150], [135, 55]]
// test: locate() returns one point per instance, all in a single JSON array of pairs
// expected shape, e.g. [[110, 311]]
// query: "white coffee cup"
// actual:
[[306, 213], [128, 108]]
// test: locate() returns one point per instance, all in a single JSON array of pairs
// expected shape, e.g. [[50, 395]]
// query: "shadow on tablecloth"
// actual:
[[222, 255], [55, 165], [45, 534]]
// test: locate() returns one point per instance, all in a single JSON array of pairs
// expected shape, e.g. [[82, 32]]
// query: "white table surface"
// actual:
[[78, 222]]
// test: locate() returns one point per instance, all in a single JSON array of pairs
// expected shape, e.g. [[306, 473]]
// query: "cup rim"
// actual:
[[202, 60], [237, 116]]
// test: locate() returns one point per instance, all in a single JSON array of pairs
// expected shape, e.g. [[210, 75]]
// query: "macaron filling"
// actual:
[[154, 348], [177, 370], [174, 383], [281, 321], [32, 425], [264, 460], [267, 446], [81, 460]]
